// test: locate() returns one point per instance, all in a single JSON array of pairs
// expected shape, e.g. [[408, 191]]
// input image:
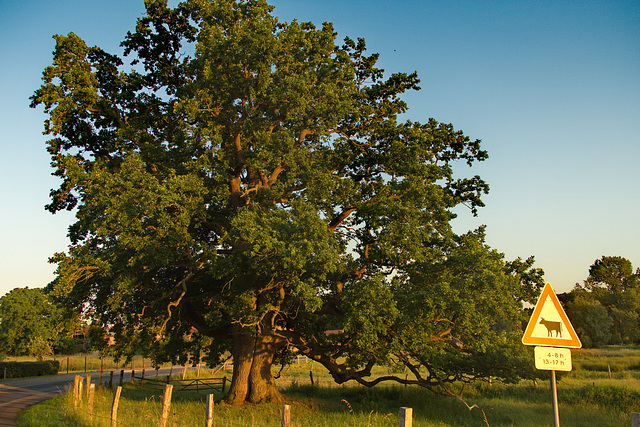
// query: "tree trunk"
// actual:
[[252, 380], [262, 385], [242, 360]]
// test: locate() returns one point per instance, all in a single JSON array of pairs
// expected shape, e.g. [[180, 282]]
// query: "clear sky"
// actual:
[[552, 88]]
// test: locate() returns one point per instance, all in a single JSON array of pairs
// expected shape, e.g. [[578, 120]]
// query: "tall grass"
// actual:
[[614, 358], [587, 398]]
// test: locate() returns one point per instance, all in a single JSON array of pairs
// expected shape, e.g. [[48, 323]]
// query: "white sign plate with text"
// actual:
[[553, 358]]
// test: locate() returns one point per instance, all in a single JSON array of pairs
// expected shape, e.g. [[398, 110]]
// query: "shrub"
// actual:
[[29, 369]]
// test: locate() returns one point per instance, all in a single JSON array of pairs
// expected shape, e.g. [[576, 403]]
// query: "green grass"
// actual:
[[586, 398], [614, 358]]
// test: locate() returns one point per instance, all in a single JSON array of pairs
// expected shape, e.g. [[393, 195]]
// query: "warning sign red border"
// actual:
[[527, 339]]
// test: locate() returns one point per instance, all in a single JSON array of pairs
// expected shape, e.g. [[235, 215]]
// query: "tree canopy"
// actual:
[[245, 185], [33, 324], [607, 304]]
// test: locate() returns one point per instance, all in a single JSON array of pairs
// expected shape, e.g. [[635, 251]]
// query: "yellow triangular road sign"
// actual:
[[549, 325]]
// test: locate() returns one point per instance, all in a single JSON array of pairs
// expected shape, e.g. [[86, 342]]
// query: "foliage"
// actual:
[[614, 274], [247, 186], [29, 369], [590, 318], [31, 323], [594, 323], [614, 287]]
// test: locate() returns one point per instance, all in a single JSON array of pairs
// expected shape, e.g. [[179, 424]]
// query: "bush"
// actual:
[[593, 324], [29, 369]]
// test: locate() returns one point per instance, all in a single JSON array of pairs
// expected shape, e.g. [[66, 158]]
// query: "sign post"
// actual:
[[554, 399], [550, 330]]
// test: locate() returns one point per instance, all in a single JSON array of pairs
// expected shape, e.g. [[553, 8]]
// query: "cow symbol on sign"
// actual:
[[551, 327]]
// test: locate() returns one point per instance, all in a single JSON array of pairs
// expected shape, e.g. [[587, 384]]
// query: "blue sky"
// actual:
[[551, 87]]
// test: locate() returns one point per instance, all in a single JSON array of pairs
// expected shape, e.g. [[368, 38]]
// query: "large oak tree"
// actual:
[[246, 183]]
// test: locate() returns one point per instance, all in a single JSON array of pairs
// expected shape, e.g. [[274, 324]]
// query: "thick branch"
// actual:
[[303, 134], [173, 304], [340, 218]]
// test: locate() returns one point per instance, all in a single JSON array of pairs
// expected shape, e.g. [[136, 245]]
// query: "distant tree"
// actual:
[[32, 324], [614, 274], [247, 184], [625, 311], [589, 317], [614, 284]]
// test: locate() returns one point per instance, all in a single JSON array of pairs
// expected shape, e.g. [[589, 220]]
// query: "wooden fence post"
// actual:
[[286, 416], [92, 389], [133, 374], [111, 380], [114, 406], [76, 388], [166, 405], [406, 417], [121, 377], [224, 384], [100, 379], [635, 419], [208, 421], [80, 387], [75, 391], [88, 382]]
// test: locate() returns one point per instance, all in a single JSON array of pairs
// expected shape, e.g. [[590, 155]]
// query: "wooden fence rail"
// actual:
[[198, 384]]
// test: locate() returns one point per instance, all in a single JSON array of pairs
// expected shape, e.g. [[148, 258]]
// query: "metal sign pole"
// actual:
[[554, 400]]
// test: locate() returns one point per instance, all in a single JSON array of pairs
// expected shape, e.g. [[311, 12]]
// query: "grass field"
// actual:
[[602, 390]]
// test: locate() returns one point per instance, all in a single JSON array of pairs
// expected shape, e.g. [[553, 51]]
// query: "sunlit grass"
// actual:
[[613, 358], [586, 398]]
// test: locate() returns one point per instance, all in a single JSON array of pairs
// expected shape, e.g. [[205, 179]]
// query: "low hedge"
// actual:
[[28, 369]]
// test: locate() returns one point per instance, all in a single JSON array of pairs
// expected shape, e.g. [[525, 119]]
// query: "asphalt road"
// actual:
[[19, 394]]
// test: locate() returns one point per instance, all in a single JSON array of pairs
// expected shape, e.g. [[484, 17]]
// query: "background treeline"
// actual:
[[605, 309]]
